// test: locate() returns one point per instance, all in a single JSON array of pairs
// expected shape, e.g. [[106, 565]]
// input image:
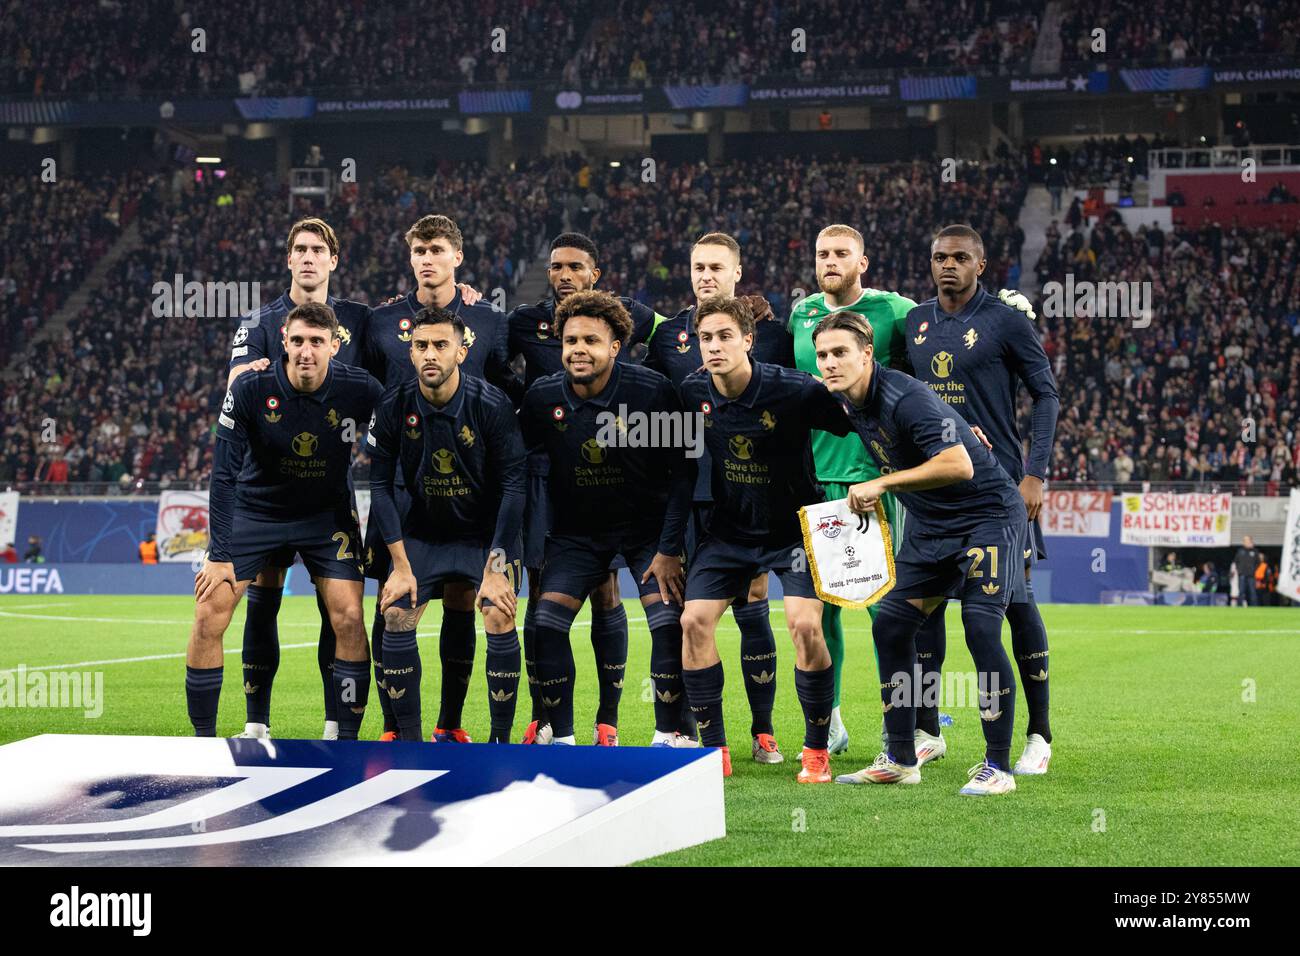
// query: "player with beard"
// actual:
[[436, 249], [609, 497], [675, 351], [454, 439], [533, 335], [841, 263]]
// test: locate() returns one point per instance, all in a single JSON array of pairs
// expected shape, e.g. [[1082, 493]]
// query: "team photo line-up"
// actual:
[[483, 466]]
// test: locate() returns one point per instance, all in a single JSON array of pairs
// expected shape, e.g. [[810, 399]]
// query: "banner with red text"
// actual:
[[1076, 514], [1165, 519]]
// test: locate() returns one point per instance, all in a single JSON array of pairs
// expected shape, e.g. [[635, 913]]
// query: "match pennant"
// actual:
[[851, 556]]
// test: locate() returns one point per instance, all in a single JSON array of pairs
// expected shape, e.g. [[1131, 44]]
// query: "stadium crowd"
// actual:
[[1173, 32], [716, 41], [1209, 390], [117, 48], [148, 46], [51, 235]]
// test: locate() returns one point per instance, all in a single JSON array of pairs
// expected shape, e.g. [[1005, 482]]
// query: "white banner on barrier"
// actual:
[[9, 518], [1165, 519], [182, 526], [851, 556], [1288, 581], [1076, 514]]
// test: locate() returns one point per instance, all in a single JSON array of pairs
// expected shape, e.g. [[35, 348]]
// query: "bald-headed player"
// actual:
[[675, 351], [573, 268]]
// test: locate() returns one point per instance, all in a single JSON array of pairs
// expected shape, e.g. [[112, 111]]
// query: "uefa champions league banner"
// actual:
[[8, 517], [851, 556], [182, 529], [1168, 520], [1288, 581]]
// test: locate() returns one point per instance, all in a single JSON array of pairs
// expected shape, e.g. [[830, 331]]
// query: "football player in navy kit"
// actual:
[[965, 527], [758, 422], [675, 352], [455, 440], [280, 486], [533, 335], [609, 496], [975, 349], [436, 251], [312, 251]]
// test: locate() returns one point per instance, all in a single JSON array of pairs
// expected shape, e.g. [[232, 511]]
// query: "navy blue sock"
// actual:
[[665, 622], [456, 649], [555, 668], [376, 654], [1029, 644], [402, 681], [816, 693], [997, 682], [609, 642], [757, 662], [530, 649], [503, 683], [261, 656], [352, 690], [704, 691], [325, 659], [931, 649], [202, 694], [894, 632]]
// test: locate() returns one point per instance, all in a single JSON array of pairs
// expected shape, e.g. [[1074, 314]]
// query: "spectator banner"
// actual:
[[1165, 519], [8, 518], [851, 556], [182, 525], [1288, 582], [1076, 514]]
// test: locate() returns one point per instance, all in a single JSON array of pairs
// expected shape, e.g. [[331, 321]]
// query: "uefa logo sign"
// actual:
[[568, 99]]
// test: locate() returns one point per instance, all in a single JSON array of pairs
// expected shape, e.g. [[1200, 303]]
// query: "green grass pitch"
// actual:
[[1174, 732]]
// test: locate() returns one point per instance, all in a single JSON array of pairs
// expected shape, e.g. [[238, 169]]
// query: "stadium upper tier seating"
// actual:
[[114, 48]]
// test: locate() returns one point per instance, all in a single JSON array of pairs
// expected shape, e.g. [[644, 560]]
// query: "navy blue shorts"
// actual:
[[537, 521], [983, 566], [697, 526], [438, 563], [721, 571], [576, 565], [1035, 547], [375, 558], [329, 542]]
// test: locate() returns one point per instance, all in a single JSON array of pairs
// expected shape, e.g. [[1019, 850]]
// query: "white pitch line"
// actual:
[[118, 620], [133, 660], [23, 607]]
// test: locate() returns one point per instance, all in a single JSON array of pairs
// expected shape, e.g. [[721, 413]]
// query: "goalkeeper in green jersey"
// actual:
[[841, 263]]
